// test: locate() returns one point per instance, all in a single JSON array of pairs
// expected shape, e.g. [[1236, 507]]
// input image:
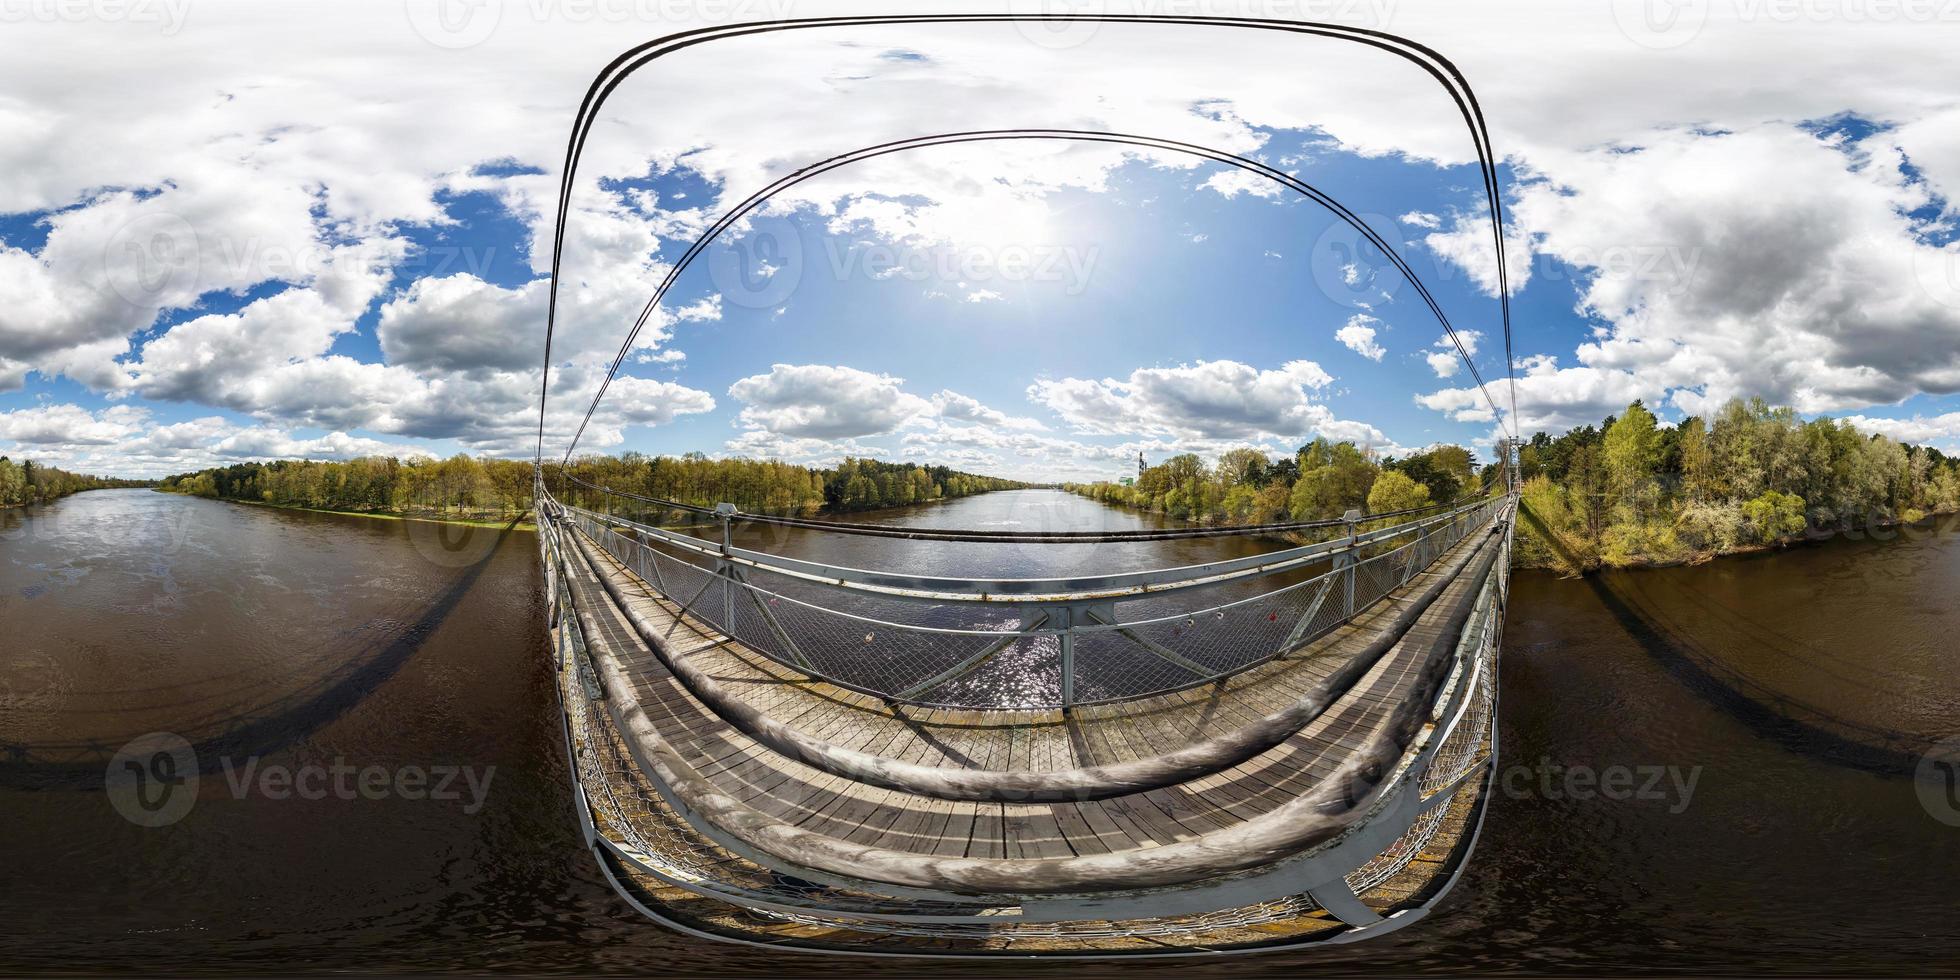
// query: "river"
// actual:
[[1779, 702]]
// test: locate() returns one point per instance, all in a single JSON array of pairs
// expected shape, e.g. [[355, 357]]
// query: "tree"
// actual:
[[1245, 466], [1697, 461], [1334, 477], [1394, 491], [1632, 449]]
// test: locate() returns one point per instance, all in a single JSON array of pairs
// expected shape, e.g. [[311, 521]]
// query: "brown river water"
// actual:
[[1701, 770]]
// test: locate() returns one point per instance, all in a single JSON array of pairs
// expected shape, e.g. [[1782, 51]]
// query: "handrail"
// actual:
[[1079, 588], [1083, 783], [1067, 622], [1374, 772], [1019, 537]]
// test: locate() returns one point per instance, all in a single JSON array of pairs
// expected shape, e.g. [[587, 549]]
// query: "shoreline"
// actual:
[[65, 496], [521, 525], [1745, 551]]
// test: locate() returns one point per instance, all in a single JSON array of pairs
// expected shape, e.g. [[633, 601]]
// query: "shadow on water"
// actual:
[[1793, 725], [246, 729]]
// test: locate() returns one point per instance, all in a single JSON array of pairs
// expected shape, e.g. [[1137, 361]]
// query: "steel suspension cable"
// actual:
[[762, 196], [626, 63]]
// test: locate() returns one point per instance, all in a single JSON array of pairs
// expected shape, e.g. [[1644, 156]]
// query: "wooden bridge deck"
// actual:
[[1042, 741]]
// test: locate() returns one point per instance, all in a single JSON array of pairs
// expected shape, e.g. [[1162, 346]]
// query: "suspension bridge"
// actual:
[[1281, 748], [1286, 746]]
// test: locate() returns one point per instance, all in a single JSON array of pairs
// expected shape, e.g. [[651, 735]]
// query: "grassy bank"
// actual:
[[485, 522], [1540, 548]]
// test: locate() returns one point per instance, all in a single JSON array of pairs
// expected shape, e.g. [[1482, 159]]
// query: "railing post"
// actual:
[[1347, 560], [726, 514], [1068, 658]]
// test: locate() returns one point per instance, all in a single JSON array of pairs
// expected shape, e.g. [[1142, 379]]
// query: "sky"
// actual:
[[234, 231]]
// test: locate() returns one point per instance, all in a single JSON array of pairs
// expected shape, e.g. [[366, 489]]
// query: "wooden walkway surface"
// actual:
[[841, 808]]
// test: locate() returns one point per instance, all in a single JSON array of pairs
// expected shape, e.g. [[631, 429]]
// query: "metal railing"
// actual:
[[1438, 770], [1034, 643]]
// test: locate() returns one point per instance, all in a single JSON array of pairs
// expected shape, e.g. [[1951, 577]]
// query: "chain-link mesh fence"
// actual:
[[1178, 628]]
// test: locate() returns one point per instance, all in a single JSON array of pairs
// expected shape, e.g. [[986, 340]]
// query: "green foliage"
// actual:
[[1775, 516], [1632, 449], [1322, 480], [1632, 493], [28, 482], [484, 487], [1394, 491]]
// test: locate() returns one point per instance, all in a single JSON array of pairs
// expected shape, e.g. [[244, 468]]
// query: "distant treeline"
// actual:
[[1321, 480], [457, 487], [484, 487], [771, 487], [1632, 492], [28, 482]]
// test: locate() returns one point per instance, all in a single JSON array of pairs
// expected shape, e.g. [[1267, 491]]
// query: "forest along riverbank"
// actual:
[[370, 644]]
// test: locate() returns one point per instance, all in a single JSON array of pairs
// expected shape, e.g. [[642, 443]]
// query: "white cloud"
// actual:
[[1760, 262], [825, 402], [1942, 431], [1358, 336], [315, 144], [1209, 400], [955, 406], [1446, 360], [1468, 245], [1233, 182], [71, 425], [1549, 397], [461, 323]]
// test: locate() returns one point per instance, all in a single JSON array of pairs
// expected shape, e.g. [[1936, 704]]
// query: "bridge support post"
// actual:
[[1067, 614], [1337, 898], [1346, 561], [725, 513]]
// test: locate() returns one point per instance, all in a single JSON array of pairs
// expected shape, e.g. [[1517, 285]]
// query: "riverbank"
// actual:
[[1556, 555], [522, 525]]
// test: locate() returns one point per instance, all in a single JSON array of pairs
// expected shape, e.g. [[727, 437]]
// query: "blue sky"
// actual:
[[306, 257]]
